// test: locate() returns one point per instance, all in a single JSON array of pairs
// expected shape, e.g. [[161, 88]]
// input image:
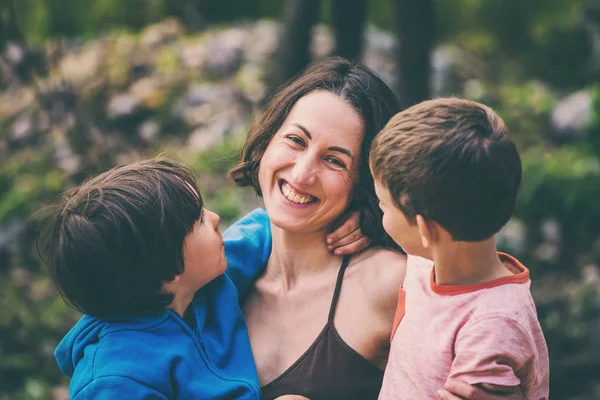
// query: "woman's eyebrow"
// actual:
[[306, 132], [332, 148]]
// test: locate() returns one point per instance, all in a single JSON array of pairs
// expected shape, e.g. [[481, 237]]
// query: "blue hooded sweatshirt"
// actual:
[[161, 356]]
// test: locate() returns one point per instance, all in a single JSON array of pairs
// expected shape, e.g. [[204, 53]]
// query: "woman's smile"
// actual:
[[294, 196]]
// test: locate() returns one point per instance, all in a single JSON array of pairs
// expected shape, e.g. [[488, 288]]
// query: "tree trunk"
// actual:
[[9, 30], [293, 51], [415, 35], [348, 20]]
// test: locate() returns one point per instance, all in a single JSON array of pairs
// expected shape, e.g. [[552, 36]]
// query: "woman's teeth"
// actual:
[[289, 194]]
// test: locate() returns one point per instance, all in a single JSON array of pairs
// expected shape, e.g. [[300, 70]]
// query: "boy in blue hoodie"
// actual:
[[135, 251]]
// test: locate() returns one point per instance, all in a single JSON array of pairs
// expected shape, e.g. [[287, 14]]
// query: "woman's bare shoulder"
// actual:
[[382, 273]]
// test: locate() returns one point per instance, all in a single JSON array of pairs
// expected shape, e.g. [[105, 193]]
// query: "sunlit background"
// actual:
[[88, 84]]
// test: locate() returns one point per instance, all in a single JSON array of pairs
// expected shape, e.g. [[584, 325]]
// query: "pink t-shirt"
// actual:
[[481, 333]]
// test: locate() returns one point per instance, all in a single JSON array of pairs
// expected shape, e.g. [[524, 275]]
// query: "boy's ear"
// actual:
[[427, 231], [171, 286], [175, 279]]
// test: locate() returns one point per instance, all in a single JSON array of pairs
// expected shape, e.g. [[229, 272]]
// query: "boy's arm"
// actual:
[[491, 351], [118, 387], [247, 248]]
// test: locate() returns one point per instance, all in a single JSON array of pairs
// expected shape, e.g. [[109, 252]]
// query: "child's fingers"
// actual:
[[461, 390], [353, 247], [487, 392], [346, 240], [443, 394], [346, 228], [515, 390]]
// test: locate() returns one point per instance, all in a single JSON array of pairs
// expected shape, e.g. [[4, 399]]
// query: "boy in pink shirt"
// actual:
[[447, 175]]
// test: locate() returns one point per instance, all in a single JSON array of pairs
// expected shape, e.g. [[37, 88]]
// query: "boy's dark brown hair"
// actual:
[[451, 161], [112, 242], [364, 91]]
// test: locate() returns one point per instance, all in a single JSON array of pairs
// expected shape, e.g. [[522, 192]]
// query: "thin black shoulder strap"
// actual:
[[338, 288]]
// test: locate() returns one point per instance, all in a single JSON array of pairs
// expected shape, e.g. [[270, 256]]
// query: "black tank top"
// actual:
[[329, 369]]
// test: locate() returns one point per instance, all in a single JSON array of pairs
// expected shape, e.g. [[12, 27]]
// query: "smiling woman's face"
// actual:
[[311, 165]]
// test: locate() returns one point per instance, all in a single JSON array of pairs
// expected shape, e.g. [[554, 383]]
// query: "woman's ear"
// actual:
[[427, 231]]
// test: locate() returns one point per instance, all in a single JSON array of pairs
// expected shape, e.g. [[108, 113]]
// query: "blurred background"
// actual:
[[85, 85]]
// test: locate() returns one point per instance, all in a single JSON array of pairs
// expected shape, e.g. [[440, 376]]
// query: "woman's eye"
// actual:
[[336, 162], [296, 140]]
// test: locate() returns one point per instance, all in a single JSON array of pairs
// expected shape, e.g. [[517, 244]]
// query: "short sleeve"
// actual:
[[118, 387], [494, 350], [247, 248]]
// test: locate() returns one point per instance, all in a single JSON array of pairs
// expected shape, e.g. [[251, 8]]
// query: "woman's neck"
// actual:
[[295, 255]]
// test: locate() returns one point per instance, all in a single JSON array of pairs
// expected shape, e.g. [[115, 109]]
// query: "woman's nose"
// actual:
[[304, 170]]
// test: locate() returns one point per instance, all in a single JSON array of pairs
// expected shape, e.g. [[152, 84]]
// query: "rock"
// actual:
[[22, 128], [71, 165], [226, 54], [198, 115], [147, 92], [123, 105], [66, 159], [572, 115], [84, 65], [15, 101], [220, 120], [161, 33], [193, 54], [14, 53], [262, 41], [204, 137], [149, 131], [209, 93], [249, 80], [118, 59]]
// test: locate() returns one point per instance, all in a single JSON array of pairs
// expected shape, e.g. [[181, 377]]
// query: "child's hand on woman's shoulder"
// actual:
[[347, 238], [292, 397]]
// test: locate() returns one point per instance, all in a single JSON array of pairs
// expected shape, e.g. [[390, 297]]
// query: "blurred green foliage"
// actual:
[[212, 165], [521, 36], [563, 184], [594, 127], [26, 183], [44, 19]]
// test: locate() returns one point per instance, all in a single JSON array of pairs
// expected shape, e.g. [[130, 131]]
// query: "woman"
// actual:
[[319, 323]]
